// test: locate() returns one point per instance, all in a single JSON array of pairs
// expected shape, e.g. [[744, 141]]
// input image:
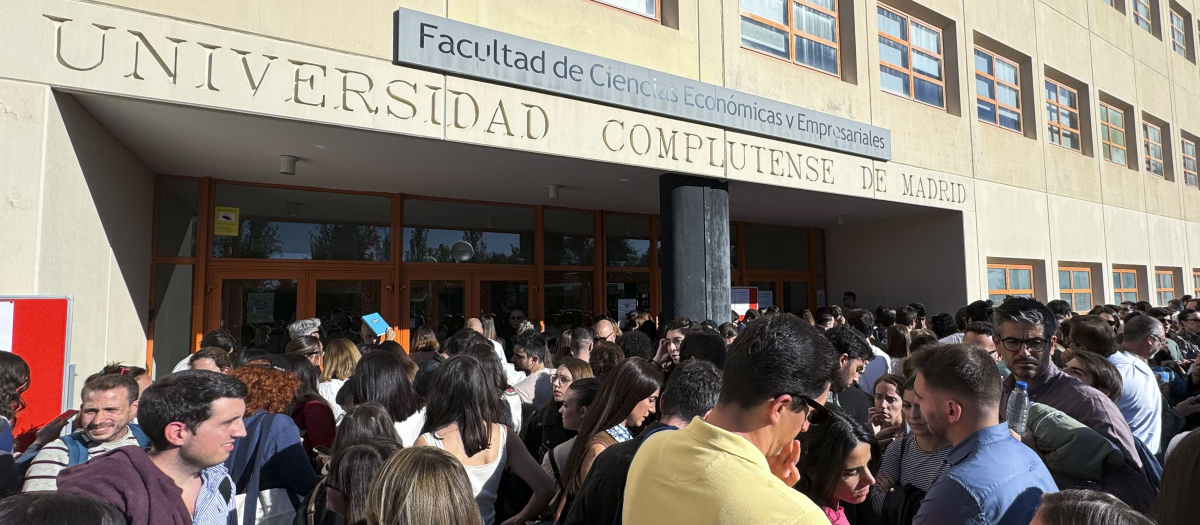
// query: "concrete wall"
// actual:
[[82, 202]]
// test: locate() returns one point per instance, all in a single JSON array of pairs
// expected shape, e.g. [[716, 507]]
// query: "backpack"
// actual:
[[77, 451]]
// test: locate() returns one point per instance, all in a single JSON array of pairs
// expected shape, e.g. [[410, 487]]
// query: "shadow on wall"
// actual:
[[900, 260], [122, 190]]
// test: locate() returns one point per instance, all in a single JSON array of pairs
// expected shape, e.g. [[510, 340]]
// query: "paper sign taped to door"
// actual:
[[226, 221], [624, 306]]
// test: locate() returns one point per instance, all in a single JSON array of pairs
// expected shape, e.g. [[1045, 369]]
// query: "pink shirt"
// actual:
[[836, 516]]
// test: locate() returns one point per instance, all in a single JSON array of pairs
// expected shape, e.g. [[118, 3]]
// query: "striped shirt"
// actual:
[[213, 507], [53, 457], [917, 467]]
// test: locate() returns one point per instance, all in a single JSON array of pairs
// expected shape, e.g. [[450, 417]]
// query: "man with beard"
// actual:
[[1025, 337], [110, 402], [993, 478], [853, 353]]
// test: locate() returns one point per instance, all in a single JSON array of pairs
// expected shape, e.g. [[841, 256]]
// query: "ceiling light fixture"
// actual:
[[553, 191], [287, 164]]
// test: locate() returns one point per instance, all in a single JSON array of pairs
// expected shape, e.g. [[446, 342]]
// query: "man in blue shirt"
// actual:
[[994, 479]]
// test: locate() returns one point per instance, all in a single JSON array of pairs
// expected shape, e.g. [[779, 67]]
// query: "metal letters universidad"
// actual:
[[432, 42]]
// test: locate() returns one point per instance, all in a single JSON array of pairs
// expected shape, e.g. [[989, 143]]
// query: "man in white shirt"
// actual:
[[529, 356], [977, 312], [510, 372], [1141, 399]]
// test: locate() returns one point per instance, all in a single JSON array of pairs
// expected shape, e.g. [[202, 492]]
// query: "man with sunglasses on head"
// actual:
[[1141, 398], [1025, 337], [737, 465]]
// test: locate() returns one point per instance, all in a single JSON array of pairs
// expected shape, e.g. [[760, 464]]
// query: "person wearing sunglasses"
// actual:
[[776, 381], [1141, 397], [993, 478]]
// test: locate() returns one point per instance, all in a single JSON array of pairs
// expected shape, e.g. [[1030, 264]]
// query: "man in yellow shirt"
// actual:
[[737, 465]]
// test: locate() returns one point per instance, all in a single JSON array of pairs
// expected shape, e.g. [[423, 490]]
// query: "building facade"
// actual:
[[179, 166]]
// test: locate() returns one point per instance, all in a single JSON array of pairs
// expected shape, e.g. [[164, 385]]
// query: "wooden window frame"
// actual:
[[997, 82], [1121, 289], [1014, 291], [912, 73], [657, 9], [1058, 87], [1179, 44], [1147, 156], [1196, 283], [1070, 285], [793, 31], [1191, 177], [1139, 19], [1158, 289], [1104, 123]]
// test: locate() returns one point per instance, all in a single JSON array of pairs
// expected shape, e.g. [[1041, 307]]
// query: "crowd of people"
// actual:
[[839, 416]]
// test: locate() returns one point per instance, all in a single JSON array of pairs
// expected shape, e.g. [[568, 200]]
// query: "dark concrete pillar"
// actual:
[[695, 247]]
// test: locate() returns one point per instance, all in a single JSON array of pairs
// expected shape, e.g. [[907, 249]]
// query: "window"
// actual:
[[910, 58], [1075, 287], [1141, 14], [999, 90], [805, 34], [1164, 287], [1189, 163], [1125, 286], [1112, 133], [647, 8], [1196, 284], [1152, 142], [1062, 115], [1009, 279], [1178, 35]]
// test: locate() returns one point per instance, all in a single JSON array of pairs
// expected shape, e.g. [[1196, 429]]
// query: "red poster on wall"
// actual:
[[38, 329]]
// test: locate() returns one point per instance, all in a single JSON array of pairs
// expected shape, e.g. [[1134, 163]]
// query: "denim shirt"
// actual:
[[993, 479]]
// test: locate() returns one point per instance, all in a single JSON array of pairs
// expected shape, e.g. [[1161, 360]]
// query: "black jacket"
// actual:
[[602, 497]]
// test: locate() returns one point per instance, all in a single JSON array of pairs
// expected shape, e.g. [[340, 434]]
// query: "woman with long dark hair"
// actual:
[[466, 418], [626, 397], [309, 409], [486, 355], [14, 381], [381, 377], [350, 475], [834, 465], [1176, 503]]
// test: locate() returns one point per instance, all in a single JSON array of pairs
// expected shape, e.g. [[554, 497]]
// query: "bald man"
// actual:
[[605, 331]]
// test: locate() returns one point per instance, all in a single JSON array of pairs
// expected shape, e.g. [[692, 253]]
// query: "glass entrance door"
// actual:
[[340, 299], [255, 306], [439, 303]]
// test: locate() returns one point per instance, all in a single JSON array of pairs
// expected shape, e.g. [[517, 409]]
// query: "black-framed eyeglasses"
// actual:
[[817, 413], [1035, 344], [1190, 319]]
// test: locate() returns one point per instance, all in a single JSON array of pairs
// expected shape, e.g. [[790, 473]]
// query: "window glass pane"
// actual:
[[1081, 280], [815, 23], [1153, 133], [1083, 302], [569, 239], [277, 223], [927, 65], [1070, 139], [927, 92], [569, 297], [816, 54], [1052, 113], [893, 81], [1116, 136], [893, 53], [774, 10], [1068, 98], [1008, 96], [172, 315], [997, 298], [892, 24], [985, 87], [827, 4], [1064, 280], [1051, 92], [1054, 135], [776, 248], [1189, 147], [643, 7], [1168, 280], [627, 285], [1129, 280], [1130, 296], [177, 205], [926, 38], [1006, 72], [628, 240], [986, 110], [1069, 119], [1010, 119], [341, 303], [1117, 280], [983, 62], [1116, 118], [257, 311], [1118, 156], [1191, 179], [819, 247], [461, 232], [1067, 297], [762, 37], [1108, 152], [996, 279], [1020, 279]]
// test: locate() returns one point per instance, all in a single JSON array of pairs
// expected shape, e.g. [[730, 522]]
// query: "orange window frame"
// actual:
[[1138, 18], [1118, 291], [998, 82], [793, 31], [657, 9], [1196, 284], [1148, 144], [1008, 290], [912, 73], [1104, 123], [1069, 286], [1178, 35], [1190, 175], [1159, 288], [1058, 88]]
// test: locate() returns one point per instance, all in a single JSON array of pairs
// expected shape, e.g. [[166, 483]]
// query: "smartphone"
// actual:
[[323, 450], [67, 414]]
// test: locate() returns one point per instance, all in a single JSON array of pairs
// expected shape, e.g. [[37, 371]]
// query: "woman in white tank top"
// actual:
[[466, 417]]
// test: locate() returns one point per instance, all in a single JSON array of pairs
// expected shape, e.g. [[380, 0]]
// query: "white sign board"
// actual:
[[624, 306]]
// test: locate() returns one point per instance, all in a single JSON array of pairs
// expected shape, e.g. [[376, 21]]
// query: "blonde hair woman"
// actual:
[[340, 357], [422, 486]]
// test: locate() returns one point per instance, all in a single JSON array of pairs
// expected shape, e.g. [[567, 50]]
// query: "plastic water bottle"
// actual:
[[1018, 408]]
